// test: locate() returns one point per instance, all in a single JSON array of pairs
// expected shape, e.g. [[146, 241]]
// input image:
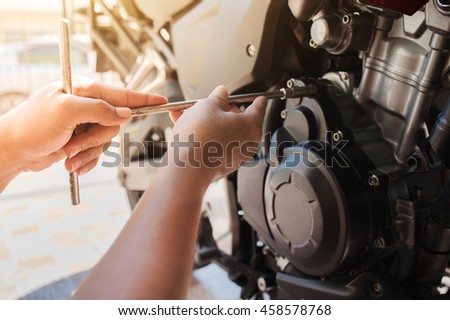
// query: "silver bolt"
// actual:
[[338, 136], [290, 83], [283, 114], [374, 181], [379, 243], [346, 19], [312, 43], [241, 213], [251, 50]]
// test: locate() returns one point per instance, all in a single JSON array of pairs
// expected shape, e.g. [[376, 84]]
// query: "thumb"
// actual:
[[87, 110], [220, 96], [257, 109]]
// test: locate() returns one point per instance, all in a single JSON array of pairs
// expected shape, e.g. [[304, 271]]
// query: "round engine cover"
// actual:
[[306, 212]]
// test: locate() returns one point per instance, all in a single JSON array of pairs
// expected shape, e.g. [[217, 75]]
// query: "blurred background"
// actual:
[[46, 245]]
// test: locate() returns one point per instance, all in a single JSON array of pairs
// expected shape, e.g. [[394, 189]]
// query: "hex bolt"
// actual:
[[251, 50], [377, 288], [283, 114], [347, 19], [379, 243], [338, 136], [374, 181]]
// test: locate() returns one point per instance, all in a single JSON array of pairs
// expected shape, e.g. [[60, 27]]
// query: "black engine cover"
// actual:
[[319, 211]]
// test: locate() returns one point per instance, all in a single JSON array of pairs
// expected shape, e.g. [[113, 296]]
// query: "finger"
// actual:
[[257, 109], [175, 115], [119, 97], [88, 110], [83, 158], [220, 97], [87, 167], [41, 163], [93, 136]]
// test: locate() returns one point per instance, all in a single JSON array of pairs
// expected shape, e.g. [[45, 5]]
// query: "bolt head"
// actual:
[[347, 19], [374, 181], [251, 50], [377, 288], [283, 114], [338, 136], [379, 243], [312, 44]]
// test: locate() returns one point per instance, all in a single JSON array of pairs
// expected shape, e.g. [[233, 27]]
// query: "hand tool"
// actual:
[[64, 57], [284, 93]]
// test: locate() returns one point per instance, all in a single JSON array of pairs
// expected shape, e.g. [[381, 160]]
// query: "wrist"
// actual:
[[9, 168], [187, 167]]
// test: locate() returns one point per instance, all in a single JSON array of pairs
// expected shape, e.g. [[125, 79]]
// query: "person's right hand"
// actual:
[[223, 137]]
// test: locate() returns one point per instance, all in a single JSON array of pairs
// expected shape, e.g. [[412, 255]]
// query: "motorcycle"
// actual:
[[348, 196]]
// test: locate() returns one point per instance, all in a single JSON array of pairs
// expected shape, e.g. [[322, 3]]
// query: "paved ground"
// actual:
[[43, 239]]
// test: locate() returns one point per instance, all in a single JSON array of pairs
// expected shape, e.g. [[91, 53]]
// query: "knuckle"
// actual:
[[102, 106]]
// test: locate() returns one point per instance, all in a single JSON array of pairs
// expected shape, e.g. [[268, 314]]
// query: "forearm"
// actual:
[[152, 257]]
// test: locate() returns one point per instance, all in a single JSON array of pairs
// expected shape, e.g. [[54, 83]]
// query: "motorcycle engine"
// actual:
[[319, 190], [335, 194]]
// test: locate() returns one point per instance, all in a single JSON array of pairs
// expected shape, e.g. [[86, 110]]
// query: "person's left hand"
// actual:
[[40, 130]]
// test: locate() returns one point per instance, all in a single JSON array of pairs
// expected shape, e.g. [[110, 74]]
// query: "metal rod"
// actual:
[[64, 57], [285, 93]]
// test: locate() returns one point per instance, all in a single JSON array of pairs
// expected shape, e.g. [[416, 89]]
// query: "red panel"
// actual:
[[408, 7]]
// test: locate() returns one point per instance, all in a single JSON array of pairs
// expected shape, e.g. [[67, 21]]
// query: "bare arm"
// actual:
[[152, 257]]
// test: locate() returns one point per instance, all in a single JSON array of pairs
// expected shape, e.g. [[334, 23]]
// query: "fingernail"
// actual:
[[77, 164], [123, 112], [74, 152]]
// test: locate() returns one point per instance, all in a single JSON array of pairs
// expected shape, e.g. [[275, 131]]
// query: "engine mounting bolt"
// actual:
[[377, 288], [374, 181], [265, 251], [283, 114], [338, 136], [251, 50], [312, 44], [347, 19], [379, 243]]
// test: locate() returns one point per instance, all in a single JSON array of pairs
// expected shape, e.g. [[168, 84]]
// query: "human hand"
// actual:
[[40, 130], [221, 137]]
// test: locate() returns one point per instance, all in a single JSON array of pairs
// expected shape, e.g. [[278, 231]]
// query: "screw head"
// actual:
[[251, 50], [374, 181], [283, 114]]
